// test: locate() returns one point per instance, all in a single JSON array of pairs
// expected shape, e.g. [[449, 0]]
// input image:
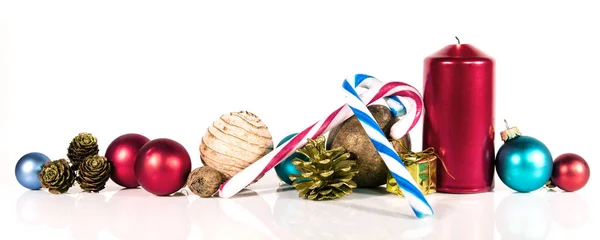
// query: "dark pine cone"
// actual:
[[81, 147], [57, 176], [94, 172]]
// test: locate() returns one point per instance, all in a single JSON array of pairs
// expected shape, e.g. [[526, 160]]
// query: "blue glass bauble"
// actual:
[[524, 164], [285, 168], [27, 170]]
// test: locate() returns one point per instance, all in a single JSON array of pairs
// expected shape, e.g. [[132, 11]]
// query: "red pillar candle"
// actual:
[[459, 117]]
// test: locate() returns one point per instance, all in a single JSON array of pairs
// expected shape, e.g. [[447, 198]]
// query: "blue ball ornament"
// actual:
[[27, 169], [523, 163], [285, 168]]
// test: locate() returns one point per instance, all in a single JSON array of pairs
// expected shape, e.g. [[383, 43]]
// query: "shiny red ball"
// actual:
[[121, 154], [570, 172], [162, 166]]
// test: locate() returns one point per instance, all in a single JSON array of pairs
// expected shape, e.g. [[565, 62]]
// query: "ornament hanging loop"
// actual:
[[509, 132]]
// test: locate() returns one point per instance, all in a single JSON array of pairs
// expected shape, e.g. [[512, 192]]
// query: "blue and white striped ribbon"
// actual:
[[407, 184]]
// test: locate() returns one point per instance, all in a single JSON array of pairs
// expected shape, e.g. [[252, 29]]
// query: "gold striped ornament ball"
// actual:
[[234, 141]]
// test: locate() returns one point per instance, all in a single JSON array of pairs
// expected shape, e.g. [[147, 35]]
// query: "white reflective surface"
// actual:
[[270, 211]]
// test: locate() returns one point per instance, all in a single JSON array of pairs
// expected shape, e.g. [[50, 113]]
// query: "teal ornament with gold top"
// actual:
[[523, 163]]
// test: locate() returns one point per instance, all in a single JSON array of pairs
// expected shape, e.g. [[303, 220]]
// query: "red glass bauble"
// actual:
[[570, 172], [121, 154], [162, 166]]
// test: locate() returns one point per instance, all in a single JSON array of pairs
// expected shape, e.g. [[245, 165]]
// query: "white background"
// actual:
[[169, 69]]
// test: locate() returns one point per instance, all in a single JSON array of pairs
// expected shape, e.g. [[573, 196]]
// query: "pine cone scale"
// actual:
[[346, 178], [325, 161], [325, 191], [307, 174], [344, 164], [338, 193]]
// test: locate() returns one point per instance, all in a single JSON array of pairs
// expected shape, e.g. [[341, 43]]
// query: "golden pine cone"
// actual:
[[327, 174], [57, 176], [82, 146]]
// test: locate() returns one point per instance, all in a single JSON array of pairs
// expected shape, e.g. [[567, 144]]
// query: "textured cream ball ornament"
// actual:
[[234, 141]]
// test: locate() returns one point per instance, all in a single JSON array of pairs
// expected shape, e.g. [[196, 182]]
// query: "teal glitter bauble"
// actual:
[[523, 163], [285, 168]]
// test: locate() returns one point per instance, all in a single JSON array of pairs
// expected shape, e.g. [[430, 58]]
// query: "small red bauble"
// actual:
[[570, 172], [162, 166], [121, 154]]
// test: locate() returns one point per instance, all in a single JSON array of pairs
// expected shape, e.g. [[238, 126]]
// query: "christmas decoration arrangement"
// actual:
[[525, 164], [84, 166], [365, 143], [356, 105], [327, 174], [163, 166]]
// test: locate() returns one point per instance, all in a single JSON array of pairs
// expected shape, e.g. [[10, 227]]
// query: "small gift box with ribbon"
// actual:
[[422, 166]]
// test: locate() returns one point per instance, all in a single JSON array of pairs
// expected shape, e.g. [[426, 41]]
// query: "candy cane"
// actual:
[[385, 149], [264, 164]]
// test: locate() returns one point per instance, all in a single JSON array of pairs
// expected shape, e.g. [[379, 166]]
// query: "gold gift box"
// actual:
[[422, 167]]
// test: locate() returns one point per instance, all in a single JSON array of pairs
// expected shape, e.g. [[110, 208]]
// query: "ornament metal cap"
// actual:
[[510, 132]]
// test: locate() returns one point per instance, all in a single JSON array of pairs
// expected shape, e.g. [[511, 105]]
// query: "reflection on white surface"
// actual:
[[42, 208], [246, 216], [276, 212], [30, 206], [569, 210], [363, 214], [465, 217], [523, 216], [89, 206], [137, 215]]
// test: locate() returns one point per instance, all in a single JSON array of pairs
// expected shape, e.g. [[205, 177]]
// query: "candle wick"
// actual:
[[506, 124], [457, 40]]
